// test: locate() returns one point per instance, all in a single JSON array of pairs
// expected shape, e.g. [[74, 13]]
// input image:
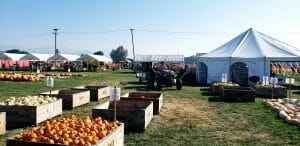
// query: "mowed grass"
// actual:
[[190, 116]]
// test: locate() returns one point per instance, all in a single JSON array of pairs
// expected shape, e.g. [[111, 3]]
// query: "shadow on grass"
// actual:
[[138, 88], [216, 99], [207, 93], [205, 89], [137, 83], [294, 87], [144, 88], [296, 92], [125, 72]]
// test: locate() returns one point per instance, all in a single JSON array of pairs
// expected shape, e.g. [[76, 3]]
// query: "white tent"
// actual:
[[160, 58], [11, 56], [252, 52], [90, 57], [63, 57], [36, 57]]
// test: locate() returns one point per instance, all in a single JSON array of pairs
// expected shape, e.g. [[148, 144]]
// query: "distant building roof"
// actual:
[[159, 58], [200, 54]]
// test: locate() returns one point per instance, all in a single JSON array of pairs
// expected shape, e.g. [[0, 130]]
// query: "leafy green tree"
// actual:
[[99, 53], [16, 51], [119, 54]]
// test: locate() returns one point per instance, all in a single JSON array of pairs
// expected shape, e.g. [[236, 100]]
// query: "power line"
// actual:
[[182, 32], [26, 36], [100, 32]]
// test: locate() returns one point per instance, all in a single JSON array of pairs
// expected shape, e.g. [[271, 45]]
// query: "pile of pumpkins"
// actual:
[[62, 75], [227, 84], [18, 77], [27, 100], [70, 131], [287, 108]]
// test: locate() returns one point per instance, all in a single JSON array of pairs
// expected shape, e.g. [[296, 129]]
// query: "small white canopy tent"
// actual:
[[160, 58], [36, 57], [11, 56], [91, 57], [252, 48], [63, 58]]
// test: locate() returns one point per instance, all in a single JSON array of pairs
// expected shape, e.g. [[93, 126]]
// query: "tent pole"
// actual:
[[229, 75], [264, 66]]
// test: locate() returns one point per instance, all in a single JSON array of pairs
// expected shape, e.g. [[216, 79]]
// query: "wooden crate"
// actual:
[[242, 94], [116, 138], [74, 98], [156, 98], [54, 93], [96, 92], [217, 87], [264, 91], [20, 116], [2, 123], [136, 115]]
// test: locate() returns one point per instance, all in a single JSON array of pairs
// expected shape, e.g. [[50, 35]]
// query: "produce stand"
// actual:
[[156, 98], [242, 94], [2, 123], [136, 115], [20, 116], [74, 98]]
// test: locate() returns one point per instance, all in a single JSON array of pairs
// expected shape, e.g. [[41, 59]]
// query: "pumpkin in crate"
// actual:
[[7, 77], [2, 76]]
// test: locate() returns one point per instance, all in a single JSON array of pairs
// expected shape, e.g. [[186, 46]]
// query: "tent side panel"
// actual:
[[215, 69]]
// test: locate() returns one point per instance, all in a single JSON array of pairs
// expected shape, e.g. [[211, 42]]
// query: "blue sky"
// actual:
[[28, 24]]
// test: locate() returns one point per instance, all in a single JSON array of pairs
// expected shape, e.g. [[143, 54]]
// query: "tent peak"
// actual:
[[254, 44]]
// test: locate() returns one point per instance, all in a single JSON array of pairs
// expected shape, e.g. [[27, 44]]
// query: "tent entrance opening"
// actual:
[[202, 78], [239, 73]]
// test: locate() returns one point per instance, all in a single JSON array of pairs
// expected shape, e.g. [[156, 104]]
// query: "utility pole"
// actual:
[[55, 33], [131, 30]]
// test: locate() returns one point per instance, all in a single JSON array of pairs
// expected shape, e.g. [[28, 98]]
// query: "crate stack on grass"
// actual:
[[29, 110], [266, 91], [156, 98], [239, 94], [73, 98], [2, 123], [96, 92], [135, 115]]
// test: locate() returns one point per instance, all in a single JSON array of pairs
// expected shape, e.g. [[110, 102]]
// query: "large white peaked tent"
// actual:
[[11, 56], [36, 57], [63, 57], [91, 57], [249, 53]]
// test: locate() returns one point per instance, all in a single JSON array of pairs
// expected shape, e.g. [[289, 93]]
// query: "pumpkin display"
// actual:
[[70, 131], [18, 77], [27, 100]]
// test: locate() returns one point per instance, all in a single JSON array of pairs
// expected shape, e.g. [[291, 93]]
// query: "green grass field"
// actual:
[[190, 116]]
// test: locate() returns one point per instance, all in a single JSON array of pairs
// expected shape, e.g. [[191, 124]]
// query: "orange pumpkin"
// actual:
[[70, 131]]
